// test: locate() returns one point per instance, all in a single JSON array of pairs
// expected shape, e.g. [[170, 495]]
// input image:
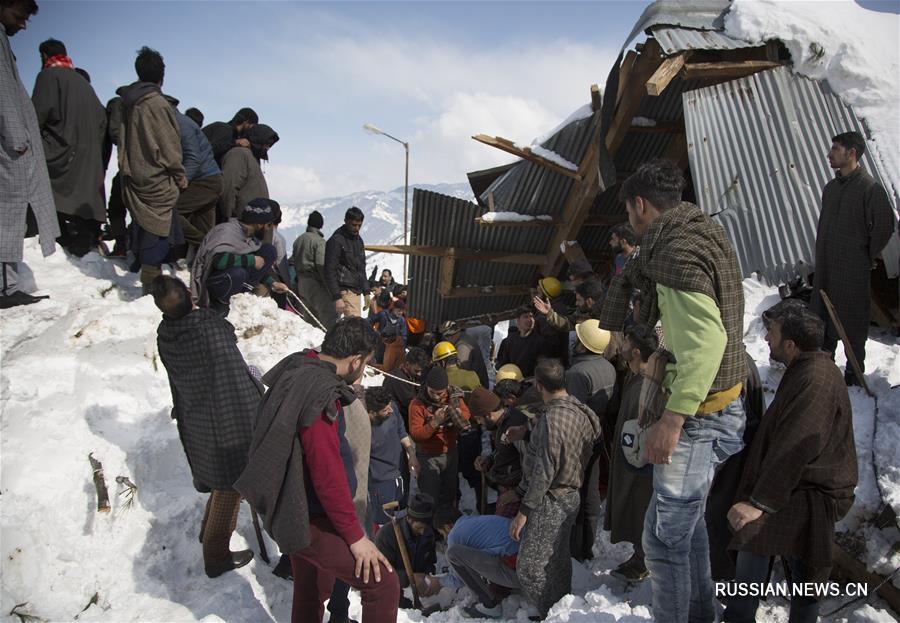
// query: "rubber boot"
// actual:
[[217, 555]]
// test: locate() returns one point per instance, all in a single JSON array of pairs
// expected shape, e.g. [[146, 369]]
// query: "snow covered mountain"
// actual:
[[384, 217]]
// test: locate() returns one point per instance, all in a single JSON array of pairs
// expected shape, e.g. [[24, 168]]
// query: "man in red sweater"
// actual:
[[436, 417], [312, 516]]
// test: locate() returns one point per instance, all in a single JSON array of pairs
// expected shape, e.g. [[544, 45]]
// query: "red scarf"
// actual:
[[60, 60]]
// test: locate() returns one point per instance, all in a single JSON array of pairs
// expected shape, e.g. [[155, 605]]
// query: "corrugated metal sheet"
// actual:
[[440, 220], [673, 40], [757, 149]]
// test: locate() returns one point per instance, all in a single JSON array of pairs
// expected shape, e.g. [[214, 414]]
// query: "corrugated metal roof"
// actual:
[[757, 149], [686, 14], [440, 220], [673, 40]]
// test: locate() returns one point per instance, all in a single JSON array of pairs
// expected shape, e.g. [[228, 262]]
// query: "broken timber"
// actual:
[[99, 484], [727, 69], [531, 259], [664, 74], [525, 153]]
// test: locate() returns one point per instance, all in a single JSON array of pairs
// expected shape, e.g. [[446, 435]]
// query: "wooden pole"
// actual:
[[99, 484], [404, 553], [851, 356]]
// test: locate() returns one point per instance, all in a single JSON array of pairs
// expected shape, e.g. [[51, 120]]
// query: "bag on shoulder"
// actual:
[[651, 404]]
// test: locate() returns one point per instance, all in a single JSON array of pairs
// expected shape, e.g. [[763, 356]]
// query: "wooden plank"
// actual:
[[659, 128], [635, 90], [531, 223], [727, 69], [448, 267], [530, 259], [490, 200], [605, 220], [857, 571], [526, 154], [664, 74], [624, 72], [477, 291], [596, 99]]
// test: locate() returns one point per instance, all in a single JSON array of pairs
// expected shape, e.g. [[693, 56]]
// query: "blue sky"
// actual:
[[432, 73]]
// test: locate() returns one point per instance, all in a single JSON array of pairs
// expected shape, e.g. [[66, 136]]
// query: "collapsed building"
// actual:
[[750, 135]]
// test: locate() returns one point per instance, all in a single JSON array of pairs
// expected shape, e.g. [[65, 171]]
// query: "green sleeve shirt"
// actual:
[[692, 325]]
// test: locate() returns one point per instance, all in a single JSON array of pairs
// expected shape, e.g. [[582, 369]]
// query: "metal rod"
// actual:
[[406, 210]]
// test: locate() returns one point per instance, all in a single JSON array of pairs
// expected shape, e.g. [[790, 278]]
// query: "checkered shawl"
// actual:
[[214, 395], [801, 466], [618, 295], [23, 179], [686, 250]]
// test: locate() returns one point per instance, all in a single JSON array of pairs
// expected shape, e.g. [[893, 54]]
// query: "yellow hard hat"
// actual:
[[550, 286], [509, 371], [592, 336], [442, 350]]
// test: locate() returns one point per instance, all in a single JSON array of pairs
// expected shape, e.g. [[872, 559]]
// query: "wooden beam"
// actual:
[[659, 128], [490, 200], [509, 147], [605, 220], [624, 72], [664, 74], [477, 291], [644, 66], [448, 267], [596, 98], [727, 70], [531, 259], [532, 223], [854, 570]]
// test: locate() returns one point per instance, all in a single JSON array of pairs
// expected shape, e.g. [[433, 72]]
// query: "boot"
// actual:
[[148, 274], [217, 555]]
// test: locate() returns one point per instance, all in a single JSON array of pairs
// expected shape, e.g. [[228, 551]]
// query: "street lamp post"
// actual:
[[376, 130]]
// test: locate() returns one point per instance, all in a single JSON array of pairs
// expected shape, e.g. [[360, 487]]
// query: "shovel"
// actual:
[[407, 563]]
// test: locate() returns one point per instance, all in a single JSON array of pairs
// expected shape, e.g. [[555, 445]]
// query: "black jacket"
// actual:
[[422, 555], [402, 393], [522, 351], [345, 264], [221, 136]]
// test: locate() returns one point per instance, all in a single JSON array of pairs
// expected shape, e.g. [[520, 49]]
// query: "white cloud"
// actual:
[[291, 183]]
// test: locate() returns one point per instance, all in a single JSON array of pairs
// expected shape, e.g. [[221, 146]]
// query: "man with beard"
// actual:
[[214, 400], [23, 175], [345, 265], [73, 126], [436, 417], [233, 258], [553, 471], [855, 224], [801, 469], [300, 476], [389, 442], [224, 136], [403, 382], [623, 242], [523, 346], [242, 176], [152, 174]]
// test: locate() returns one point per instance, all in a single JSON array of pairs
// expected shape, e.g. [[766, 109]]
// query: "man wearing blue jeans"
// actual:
[[693, 274]]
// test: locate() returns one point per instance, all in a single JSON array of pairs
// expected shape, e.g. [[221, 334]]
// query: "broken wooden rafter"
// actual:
[[448, 267], [535, 222], [727, 69], [525, 153], [476, 291], [531, 259], [665, 73], [596, 98], [667, 127]]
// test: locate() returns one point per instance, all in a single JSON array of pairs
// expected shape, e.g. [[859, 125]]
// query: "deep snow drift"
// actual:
[[80, 374]]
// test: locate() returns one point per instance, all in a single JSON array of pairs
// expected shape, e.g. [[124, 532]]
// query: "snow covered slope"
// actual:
[[79, 374]]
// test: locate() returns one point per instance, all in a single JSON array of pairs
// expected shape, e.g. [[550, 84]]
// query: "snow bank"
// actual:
[[80, 374], [852, 48]]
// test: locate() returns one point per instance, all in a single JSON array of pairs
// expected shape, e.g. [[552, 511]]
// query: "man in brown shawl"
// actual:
[[855, 224], [801, 469], [150, 164]]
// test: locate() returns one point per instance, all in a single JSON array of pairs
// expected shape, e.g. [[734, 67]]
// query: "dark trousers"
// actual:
[[116, 211], [469, 445], [328, 558], [196, 207], [857, 345], [439, 478], [588, 520], [221, 285], [755, 568]]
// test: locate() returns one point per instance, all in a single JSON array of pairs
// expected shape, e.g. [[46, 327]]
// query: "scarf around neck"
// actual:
[[60, 60]]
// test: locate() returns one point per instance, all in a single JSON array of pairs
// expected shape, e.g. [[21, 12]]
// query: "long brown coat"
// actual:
[[801, 465], [855, 224]]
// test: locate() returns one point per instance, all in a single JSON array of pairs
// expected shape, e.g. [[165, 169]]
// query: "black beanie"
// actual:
[[315, 220], [259, 210], [437, 378]]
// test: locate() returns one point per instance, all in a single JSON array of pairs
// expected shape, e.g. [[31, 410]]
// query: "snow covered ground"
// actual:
[[80, 375]]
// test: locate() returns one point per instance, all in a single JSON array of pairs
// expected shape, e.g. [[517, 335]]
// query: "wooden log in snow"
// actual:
[[99, 484]]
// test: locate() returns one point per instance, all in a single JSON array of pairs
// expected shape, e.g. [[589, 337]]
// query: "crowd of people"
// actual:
[[621, 399]]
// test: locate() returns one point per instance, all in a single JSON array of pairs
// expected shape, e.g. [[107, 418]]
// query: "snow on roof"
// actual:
[[513, 217], [851, 48]]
